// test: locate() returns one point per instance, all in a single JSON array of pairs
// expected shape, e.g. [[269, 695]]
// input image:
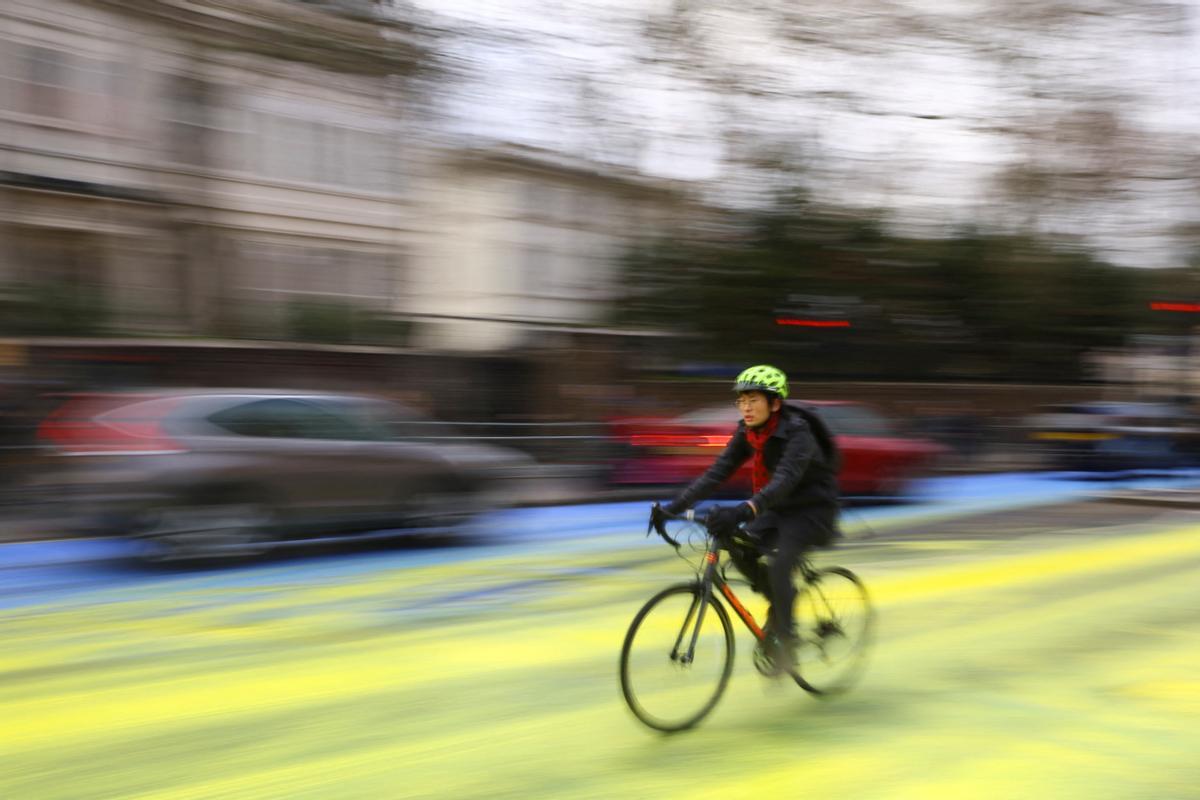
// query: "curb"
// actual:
[[569, 507], [1188, 499]]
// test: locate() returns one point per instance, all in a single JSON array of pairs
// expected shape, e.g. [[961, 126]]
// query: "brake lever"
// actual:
[[660, 528]]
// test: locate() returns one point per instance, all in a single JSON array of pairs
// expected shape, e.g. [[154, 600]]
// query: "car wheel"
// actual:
[[198, 531], [437, 508]]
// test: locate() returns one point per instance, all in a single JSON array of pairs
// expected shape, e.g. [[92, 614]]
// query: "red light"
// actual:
[[813, 323], [1193, 308], [676, 440], [85, 427], [659, 440]]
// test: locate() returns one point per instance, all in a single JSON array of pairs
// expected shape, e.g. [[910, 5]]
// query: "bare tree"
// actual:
[[1036, 115], [1061, 96]]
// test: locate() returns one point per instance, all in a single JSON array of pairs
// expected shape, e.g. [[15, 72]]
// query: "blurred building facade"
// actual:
[[199, 167], [523, 242], [255, 169]]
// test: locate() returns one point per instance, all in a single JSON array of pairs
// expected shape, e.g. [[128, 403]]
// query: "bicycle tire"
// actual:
[[657, 647], [836, 624]]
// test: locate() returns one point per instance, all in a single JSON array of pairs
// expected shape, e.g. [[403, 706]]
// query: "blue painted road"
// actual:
[[75, 569]]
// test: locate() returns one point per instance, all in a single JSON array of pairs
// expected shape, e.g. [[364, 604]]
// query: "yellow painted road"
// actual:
[[1050, 666]]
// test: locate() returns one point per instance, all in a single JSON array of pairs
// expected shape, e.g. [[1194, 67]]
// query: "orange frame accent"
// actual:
[[746, 616]]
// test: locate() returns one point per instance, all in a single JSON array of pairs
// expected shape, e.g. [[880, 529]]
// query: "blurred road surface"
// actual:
[[1039, 650]]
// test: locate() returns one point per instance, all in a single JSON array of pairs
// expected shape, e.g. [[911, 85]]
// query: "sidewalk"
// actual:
[[1182, 498], [31, 525], [44, 521]]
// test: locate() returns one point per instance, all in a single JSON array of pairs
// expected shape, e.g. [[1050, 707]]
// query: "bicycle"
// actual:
[[668, 639]]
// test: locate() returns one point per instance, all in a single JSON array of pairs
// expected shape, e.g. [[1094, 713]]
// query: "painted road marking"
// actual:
[[1052, 667]]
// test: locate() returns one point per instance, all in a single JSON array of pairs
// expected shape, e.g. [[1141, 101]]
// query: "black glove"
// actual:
[[658, 518], [724, 521]]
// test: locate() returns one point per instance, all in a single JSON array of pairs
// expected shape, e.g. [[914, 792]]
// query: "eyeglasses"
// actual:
[[749, 400]]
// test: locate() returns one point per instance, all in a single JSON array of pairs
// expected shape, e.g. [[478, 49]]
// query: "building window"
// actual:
[[309, 151], [188, 122], [73, 260], [46, 82], [282, 272], [55, 84]]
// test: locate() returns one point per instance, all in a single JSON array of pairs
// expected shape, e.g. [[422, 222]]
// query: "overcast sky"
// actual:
[[920, 150]]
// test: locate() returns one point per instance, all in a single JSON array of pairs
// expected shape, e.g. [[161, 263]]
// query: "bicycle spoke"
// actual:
[[836, 621]]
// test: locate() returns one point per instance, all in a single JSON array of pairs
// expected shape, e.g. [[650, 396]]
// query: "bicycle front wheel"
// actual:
[[836, 624], [677, 658]]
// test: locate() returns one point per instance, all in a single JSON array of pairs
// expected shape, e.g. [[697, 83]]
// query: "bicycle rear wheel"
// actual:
[[835, 624], [677, 658]]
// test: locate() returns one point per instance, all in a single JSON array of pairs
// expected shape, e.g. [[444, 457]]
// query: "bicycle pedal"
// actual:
[[763, 662]]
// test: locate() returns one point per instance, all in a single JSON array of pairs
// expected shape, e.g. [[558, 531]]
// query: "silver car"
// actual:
[[198, 473]]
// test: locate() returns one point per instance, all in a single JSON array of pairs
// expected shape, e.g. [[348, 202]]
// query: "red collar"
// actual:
[[757, 437]]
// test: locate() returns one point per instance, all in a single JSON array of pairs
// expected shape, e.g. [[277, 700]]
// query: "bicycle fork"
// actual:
[[699, 605]]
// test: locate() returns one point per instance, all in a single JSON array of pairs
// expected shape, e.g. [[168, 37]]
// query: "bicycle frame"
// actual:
[[712, 577]]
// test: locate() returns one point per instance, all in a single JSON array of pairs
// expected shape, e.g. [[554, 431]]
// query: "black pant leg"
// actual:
[[788, 552], [798, 535], [748, 560]]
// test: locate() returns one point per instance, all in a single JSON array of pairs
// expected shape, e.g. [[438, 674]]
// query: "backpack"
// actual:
[[821, 432]]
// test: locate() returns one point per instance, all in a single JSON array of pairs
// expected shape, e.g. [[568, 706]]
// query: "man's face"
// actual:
[[755, 407]]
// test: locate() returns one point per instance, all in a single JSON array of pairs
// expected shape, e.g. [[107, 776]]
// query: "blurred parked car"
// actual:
[[1115, 435], [876, 460], [198, 473]]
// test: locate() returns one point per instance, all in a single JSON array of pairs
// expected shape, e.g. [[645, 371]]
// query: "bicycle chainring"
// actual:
[[763, 661]]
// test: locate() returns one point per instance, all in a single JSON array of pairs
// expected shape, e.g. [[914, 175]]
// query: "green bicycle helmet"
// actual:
[[762, 378]]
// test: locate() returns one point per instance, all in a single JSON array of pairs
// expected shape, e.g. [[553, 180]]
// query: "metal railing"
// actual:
[[578, 443]]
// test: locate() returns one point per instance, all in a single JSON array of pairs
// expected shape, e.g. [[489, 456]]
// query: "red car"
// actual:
[[875, 459]]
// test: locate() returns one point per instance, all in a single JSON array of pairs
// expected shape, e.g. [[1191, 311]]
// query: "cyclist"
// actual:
[[794, 504]]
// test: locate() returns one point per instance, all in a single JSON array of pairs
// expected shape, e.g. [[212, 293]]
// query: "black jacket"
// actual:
[[803, 476]]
